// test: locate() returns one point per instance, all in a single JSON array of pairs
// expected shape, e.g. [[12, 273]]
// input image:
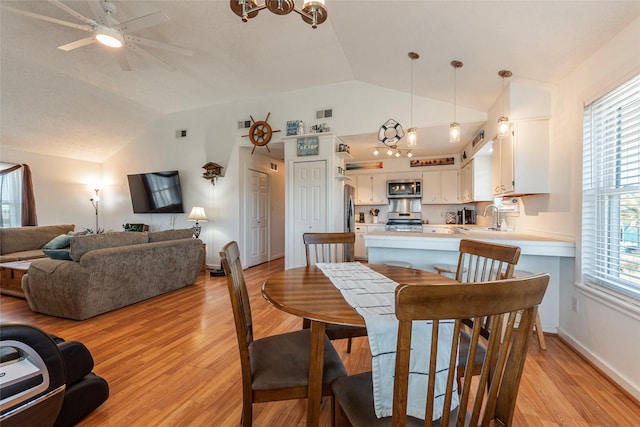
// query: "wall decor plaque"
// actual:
[[308, 146], [433, 162]]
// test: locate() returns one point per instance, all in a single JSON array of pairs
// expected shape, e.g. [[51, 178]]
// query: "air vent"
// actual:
[[324, 114], [181, 133], [244, 124]]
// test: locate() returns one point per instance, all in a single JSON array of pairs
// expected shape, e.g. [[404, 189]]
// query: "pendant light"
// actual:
[[412, 137], [503, 121], [454, 127]]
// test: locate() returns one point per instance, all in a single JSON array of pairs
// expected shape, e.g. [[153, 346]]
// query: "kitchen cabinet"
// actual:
[[440, 187], [371, 189], [520, 161], [360, 251], [475, 180], [361, 230]]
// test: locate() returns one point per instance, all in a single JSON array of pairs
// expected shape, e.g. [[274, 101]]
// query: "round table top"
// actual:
[[307, 292]]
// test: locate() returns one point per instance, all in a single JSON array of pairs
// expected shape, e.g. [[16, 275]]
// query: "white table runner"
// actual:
[[372, 295]]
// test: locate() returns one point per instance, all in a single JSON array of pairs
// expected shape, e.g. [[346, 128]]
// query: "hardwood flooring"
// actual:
[[172, 361]]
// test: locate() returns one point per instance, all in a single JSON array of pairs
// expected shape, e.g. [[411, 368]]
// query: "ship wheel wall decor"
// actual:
[[260, 133]]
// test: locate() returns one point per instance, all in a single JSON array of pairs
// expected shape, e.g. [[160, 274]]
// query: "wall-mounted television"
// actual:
[[156, 192]]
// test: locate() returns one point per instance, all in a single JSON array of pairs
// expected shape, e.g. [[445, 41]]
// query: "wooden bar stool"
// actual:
[[537, 323]]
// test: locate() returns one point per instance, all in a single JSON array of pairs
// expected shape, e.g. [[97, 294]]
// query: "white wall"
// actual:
[[62, 187], [606, 330]]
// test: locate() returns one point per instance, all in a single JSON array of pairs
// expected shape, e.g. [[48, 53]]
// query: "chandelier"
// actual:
[[390, 133], [313, 12]]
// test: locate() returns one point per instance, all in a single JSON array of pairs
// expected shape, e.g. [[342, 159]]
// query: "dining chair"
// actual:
[[483, 404], [481, 262], [274, 367], [331, 248]]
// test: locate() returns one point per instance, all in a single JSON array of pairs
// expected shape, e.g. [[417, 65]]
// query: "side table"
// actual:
[[11, 277]]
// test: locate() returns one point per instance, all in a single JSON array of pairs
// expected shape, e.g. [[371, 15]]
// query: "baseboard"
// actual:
[[599, 365]]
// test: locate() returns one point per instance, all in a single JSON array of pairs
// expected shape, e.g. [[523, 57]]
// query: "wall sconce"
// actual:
[[213, 170]]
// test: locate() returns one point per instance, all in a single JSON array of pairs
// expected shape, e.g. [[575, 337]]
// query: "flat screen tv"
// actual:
[[156, 192]]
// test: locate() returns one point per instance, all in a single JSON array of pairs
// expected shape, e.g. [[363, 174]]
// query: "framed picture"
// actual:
[[292, 127], [308, 146]]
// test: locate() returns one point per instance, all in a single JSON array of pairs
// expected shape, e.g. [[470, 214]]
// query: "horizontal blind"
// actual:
[[611, 190]]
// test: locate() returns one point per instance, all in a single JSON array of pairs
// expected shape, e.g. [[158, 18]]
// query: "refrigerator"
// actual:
[[349, 208]]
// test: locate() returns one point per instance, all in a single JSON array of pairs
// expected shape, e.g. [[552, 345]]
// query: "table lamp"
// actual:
[[197, 214]]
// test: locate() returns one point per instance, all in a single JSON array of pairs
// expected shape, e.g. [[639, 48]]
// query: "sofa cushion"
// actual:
[[21, 239], [161, 236], [58, 242], [58, 254], [80, 245]]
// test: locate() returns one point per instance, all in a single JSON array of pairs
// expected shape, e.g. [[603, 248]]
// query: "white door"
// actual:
[[257, 234], [309, 204]]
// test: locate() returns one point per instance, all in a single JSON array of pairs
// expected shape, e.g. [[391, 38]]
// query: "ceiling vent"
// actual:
[[324, 114]]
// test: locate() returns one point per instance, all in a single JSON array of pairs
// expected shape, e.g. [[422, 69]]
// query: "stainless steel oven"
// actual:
[[404, 189]]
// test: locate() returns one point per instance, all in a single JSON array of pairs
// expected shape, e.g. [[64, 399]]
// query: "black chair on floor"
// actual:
[[45, 381]]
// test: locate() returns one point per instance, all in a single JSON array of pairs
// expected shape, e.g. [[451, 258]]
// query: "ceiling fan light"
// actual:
[[454, 132], [412, 140], [109, 37]]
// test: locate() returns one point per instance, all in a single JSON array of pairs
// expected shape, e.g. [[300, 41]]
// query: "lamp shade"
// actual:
[[197, 214]]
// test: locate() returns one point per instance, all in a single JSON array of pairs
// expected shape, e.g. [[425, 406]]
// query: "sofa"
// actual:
[[108, 271], [23, 243]]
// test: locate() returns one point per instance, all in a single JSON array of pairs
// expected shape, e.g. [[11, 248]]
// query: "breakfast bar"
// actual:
[[538, 254]]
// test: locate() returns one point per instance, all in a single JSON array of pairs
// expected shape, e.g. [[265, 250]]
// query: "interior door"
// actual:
[[310, 204], [257, 234]]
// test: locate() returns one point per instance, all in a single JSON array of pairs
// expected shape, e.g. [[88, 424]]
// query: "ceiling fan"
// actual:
[[106, 30]]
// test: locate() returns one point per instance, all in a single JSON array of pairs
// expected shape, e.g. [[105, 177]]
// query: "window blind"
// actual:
[[611, 190]]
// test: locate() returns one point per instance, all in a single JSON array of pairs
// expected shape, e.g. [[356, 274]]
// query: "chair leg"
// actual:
[[540, 332], [349, 345], [246, 420]]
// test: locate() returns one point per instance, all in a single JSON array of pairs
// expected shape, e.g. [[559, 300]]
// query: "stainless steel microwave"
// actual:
[[409, 188]]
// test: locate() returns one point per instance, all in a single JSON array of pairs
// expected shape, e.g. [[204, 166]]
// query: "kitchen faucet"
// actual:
[[497, 226]]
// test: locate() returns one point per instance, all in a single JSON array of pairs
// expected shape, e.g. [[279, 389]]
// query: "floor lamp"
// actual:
[[95, 199]]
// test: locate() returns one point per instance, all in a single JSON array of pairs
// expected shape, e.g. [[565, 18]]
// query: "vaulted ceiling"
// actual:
[[80, 104]]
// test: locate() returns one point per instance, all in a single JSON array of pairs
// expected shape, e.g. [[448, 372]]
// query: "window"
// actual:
[[10, 196], [611, 190]]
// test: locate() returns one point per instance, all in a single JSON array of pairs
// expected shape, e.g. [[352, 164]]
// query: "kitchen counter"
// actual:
[[424, 250]]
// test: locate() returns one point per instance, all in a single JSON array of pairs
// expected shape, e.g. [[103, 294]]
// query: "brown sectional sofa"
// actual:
[[23, 243], [112, 270]]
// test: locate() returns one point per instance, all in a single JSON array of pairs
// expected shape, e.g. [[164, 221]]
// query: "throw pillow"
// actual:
[[62, 241], [62, 254]]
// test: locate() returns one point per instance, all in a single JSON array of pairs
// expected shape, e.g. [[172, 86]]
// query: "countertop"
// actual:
[[530, 244]]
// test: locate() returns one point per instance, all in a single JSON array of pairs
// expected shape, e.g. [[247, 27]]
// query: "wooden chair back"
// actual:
[[329, 247], [499, 300], [482, 261], [230, 258]]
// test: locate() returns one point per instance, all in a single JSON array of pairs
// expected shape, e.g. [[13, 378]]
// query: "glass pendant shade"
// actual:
[[503, 126], [454, 132], [412, 138]]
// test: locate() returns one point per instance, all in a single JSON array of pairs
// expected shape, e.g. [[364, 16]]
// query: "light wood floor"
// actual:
[[172, 361]]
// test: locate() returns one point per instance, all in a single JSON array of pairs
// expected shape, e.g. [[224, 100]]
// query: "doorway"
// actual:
[[257, 208]]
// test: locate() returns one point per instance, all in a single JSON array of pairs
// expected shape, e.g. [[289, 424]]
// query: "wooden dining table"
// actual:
[[307, 293]]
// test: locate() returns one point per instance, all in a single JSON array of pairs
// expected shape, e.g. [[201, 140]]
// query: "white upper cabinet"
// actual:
[[440, 187], [520, 161], [475, 180], [371, 189]]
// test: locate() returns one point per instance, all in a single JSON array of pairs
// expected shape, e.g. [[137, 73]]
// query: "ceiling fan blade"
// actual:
[[121, 57], [73, 12], [76, 44], [98, 11], [49, 19], [158, 45], [140, 51], [142, 22]]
